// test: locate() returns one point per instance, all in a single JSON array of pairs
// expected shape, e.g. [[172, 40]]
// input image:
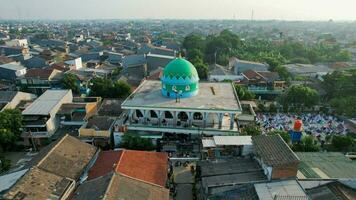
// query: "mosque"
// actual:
[[179, 103]]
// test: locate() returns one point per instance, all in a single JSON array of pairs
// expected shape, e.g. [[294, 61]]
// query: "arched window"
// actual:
[[187, 88]]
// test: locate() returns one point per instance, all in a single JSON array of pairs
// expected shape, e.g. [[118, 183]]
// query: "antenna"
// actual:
[[252, 14]]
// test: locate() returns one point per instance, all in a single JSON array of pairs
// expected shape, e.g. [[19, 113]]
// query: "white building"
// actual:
[[40, 120], [17, 43]]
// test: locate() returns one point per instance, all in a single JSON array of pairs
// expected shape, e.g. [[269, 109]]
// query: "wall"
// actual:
[[285, 171], [84, 132]]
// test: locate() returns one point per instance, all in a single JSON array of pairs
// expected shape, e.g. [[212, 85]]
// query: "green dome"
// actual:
[[180, 67]]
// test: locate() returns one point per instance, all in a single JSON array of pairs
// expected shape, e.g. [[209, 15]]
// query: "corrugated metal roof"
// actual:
[[45, 103], [232, 140], [288, 189], [12, 66]]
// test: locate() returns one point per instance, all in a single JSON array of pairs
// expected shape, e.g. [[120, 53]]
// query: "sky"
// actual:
[[179, 9]]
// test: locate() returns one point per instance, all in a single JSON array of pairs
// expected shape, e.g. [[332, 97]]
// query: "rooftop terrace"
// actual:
[[211, 96]]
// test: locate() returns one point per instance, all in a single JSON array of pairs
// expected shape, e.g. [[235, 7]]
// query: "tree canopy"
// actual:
[[135, 142], [299, 97], [340, 90], [307, 144], [69, 81], [252, 130], [284, 134], [106, 88], [342, 143], [243, 93], [10, 128]]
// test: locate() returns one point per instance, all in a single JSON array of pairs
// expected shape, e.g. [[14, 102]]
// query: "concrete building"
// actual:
[[11, 71], [240, 66], [11, 99], [180, 104], [218, 147], [74, 64], [17, 43], [40, 118]]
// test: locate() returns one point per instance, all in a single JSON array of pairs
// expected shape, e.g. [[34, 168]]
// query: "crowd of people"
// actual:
[[313, 124]]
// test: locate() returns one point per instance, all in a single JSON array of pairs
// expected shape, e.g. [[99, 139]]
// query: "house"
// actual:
[[11, 99], [308, 70], [7, 51], [4, 60], [275, 156], [240, 66], [34, 62], [227, 175], [226, 146], [55, 171], [155, 61], [149, 48], [17, 43], [135, 65], [260, 82], [285, 189], [126, 174], [40, 117], [79, 111], [37, 81], [11, 71], [220, 73], [110, 107], [115, 58], [91, 56], [74, 64], [97, 130], [339, 189]]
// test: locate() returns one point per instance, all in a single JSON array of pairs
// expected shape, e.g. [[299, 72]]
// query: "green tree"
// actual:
[[342, 143], [194, 41], [135, 142], [10, 128], [201, 67], [252, 130], [284, 134], [69, 81], [122, 89], [306, 145], [106, 88], [5, 164], [299, 96], [243, 93]]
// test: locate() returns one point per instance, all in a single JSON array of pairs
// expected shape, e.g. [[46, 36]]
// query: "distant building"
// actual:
[[149, 48], [74, 64], [17, 43], [11, 99], [40, 117], [220, 73], [155, 61], [240, 66], [37, 81], [308, 70], [263, 82], [115, 58], [11, 71]]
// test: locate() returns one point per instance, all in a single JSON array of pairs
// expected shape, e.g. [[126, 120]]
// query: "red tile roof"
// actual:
[[143, 165], [104, 164]]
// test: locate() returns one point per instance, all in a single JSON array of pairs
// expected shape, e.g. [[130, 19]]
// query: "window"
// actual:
[[174, 88], [187, 88]]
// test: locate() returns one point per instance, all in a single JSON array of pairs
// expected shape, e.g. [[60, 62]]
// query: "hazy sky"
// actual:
[[179, 9]]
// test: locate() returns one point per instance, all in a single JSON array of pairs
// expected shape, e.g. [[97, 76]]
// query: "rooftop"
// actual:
[[277, 190], [12, 66], [148, 94], [100, 123], [226, 141], [7, 96], [44, 104], [124, 187], [149, 167], [273, 150], [105, 163], [39, 184], [325, 165], [68, 158]]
